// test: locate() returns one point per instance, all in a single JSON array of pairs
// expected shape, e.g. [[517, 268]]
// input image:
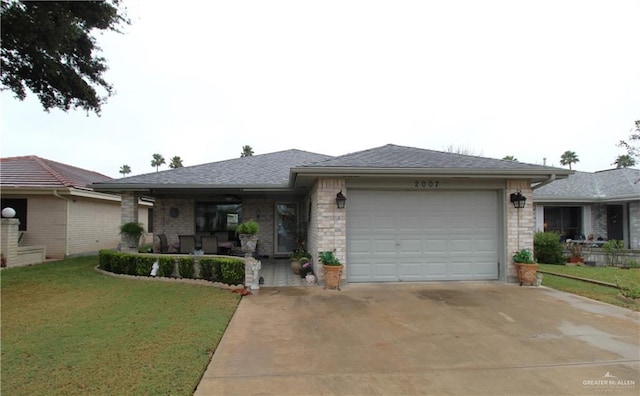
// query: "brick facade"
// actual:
[[520, 225], [328, 225], [634, 225]]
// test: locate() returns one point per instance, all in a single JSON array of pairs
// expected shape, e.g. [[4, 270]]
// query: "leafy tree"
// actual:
[[509, 158], [247, 151], [125, 170], [157, 160], [568, 158], [462, 150], [624, 161], [176, 162], [633, 150], [49, 48]]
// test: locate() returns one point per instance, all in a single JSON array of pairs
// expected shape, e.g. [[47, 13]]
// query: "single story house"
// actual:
[[58, 210], [411, 214], [603, 204]]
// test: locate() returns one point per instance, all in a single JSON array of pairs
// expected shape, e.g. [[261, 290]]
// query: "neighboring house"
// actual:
[[411, 214], [57, 209], [605, 204]]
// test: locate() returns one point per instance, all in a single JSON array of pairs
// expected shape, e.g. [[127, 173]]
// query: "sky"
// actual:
[[201, 79]]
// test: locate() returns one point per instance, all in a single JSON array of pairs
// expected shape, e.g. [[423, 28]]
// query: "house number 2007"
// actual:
[[426, 184]]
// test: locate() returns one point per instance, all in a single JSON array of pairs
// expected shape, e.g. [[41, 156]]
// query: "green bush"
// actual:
[[523, 256], [232, 271], [613, 248], [185, 267], [547, 248], [166, 265], [216, 270], [105, 257], [206, 268], [144, 264]]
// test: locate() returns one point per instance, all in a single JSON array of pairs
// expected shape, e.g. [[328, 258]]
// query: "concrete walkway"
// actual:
[[452, 338]]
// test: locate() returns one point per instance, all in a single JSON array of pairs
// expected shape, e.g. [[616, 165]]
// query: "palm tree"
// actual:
[[125, 170], [247, 151], [624, 161], [157, 160], [176, 162], [568, 158], [509, 158]]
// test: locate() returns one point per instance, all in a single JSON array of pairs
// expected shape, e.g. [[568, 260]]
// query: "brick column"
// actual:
[[520, 225], [9, 241], [331, 221], [128, 214]]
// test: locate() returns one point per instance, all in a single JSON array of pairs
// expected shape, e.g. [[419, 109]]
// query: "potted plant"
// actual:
[[248, 231], [297, 260], [332, 270], [576, 252], [526, 266], [132, 231]]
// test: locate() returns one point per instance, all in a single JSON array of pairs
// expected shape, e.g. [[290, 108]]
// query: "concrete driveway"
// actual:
[[454, 338]]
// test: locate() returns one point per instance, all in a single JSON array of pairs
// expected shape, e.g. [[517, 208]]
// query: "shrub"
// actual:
[[144, 264], [166, 265], [105, 257], [185, 267], [206, 268], [547, 248], [232, 271], [613, 249]]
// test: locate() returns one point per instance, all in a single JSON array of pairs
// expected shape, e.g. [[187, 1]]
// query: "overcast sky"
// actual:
[[200, 79]]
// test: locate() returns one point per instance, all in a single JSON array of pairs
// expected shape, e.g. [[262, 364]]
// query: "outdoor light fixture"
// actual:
[[518, 200], [341, 200]]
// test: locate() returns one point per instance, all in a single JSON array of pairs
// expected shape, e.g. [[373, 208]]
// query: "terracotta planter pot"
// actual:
[[332, 275], [296, 266], [527, 273], [576, 260]]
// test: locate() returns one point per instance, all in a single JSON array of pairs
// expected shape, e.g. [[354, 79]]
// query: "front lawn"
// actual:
[[67, 329], [626, 277]]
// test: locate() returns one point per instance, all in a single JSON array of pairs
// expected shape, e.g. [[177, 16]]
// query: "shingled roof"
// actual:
[[284, 169], [609, 185], [263, 170], [394, 156], [33, 171]]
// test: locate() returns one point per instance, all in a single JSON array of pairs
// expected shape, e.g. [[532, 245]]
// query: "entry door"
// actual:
[[286, 227], [614, 222]]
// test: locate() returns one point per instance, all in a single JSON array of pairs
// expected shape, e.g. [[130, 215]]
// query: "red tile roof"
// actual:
[[33, 171]]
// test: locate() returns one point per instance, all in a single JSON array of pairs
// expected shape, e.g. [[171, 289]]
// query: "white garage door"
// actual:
[[422, 235]]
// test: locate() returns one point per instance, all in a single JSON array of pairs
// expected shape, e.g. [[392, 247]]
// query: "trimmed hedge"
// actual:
[[185, 267], [216, 269]]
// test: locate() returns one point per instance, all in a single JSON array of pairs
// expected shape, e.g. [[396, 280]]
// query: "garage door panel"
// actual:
[[430, 235]]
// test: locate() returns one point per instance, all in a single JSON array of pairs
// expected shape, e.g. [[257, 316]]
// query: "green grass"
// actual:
[[629, 277], [67, 329]]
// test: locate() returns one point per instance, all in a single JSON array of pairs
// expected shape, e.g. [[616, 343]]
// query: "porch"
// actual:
[[278, 273]]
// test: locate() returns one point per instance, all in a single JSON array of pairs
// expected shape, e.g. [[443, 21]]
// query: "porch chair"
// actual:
[[209, 244], [164, 244], [187, 244]]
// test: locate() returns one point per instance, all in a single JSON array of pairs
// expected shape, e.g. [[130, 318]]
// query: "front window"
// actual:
[[217, 217], [564, 220]]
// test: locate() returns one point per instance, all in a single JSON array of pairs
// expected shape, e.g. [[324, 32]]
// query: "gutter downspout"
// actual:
[[66, 223]]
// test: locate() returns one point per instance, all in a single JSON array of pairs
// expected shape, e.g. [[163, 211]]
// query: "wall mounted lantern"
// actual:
[[518, 200], [341, 200]]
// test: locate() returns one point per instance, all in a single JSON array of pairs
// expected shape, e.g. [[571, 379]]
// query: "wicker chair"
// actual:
[[187, 244], [164, 244], [209, 244]]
